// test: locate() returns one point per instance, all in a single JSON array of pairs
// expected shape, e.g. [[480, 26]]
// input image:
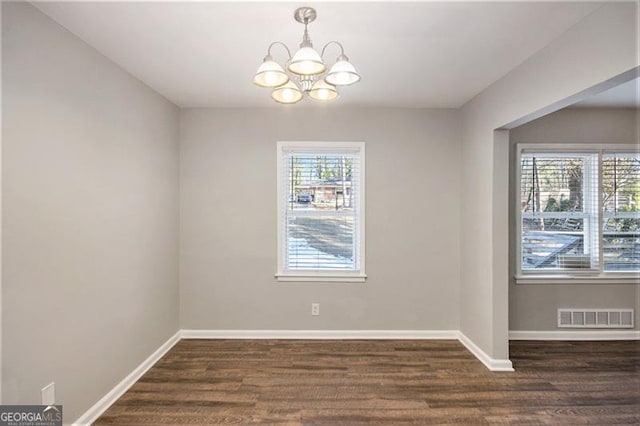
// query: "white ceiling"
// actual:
[[626, 95], [410, 54]]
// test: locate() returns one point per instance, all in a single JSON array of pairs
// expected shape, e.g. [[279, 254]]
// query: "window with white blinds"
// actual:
[[320, 211], [621, 211], [578, 212]]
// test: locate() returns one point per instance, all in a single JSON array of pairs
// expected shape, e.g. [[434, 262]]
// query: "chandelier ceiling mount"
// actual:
[[305, 15]]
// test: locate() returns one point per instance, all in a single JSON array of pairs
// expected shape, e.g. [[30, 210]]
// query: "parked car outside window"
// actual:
[[304, 198]]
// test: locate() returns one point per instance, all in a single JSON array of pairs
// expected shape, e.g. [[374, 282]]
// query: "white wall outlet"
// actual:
[[49, 394], [315, 309]]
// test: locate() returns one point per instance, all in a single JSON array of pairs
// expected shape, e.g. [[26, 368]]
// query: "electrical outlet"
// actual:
[[49, 394], [315, 309]]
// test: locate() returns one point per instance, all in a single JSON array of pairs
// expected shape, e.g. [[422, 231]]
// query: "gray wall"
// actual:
[[90, 172], [601, 46], [534, 306], [228, 220]]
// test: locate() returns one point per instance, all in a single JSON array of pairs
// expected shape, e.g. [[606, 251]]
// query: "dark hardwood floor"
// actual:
[[383, 382]]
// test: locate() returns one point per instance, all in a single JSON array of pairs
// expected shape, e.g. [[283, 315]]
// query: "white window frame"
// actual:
[[282, 273], [566, 276]]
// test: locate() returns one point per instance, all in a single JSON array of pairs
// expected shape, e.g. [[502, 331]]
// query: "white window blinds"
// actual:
[[321, 190], [559, 217], [579, 211], [621, 211]]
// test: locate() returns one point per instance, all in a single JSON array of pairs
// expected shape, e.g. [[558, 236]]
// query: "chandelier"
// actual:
[[306, 72]]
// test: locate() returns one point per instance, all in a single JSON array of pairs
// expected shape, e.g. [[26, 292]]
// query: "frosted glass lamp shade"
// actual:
[[342, 73], [322, 91], [306, 61], [270, 74], [287, 93]]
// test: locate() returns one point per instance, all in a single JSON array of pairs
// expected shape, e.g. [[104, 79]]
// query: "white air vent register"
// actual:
[[595, 318]]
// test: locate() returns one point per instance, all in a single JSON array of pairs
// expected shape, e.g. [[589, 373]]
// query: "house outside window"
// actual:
[[321, 221], [578, 213]]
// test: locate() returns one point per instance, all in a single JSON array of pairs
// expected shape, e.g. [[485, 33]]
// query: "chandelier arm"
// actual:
[[332, 42], [281, 44]]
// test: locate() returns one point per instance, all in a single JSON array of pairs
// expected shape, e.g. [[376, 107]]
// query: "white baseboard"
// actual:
[[491, 363], [106, 401], [321, 334], [575, 335]]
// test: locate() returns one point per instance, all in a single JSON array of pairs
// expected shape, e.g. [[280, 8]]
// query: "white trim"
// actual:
[[540, 149], [282, 193], [575, 335], [491, 363], [517, 210], [92, 414], [321, 146], [578, 148], [322, 334], [575, 279], [338, 278]]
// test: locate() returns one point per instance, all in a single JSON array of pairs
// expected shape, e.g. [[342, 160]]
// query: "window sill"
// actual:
[[317, 278], [575, 279]]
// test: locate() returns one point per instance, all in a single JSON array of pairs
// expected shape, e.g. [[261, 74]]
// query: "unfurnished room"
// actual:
[[328, 212]]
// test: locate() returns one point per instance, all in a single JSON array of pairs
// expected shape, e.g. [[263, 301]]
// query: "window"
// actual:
[[621, 211], [321, 211], [578, 212]]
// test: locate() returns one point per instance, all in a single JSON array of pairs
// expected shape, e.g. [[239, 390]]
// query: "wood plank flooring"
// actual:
[[383, 382]]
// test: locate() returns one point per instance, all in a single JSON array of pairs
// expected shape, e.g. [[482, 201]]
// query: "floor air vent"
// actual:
[[595, 318]]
